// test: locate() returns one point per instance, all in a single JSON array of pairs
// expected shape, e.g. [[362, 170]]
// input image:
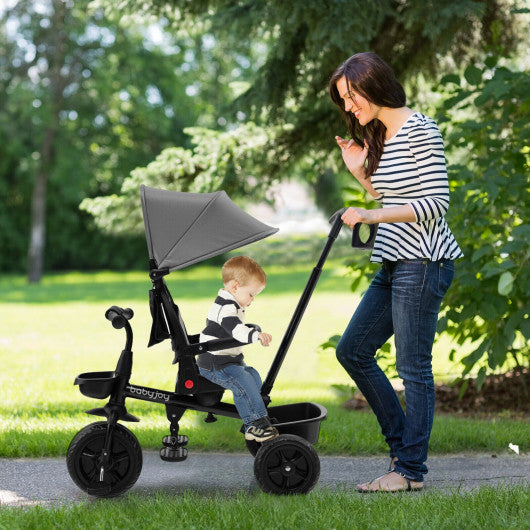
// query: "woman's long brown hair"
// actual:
[[368, 75]]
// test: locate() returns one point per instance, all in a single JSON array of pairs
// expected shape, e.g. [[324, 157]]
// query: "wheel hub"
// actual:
[[288, 470]]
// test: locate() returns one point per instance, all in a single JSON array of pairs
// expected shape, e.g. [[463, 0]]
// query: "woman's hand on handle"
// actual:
[[395, 214], [352, 216]]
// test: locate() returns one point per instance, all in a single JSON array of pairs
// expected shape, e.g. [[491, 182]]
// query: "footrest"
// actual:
[[169, 454], [175, 441]]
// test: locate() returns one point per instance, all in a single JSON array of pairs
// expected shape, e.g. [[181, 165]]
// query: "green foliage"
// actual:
[[488, 138], [218, 160], [119, 93], [290, 50], [303, 41]]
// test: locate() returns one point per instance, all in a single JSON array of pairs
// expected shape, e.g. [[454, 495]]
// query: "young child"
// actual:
[[243, 280]]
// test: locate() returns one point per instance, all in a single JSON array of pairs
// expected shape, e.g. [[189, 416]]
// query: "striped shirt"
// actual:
[[225, 319], [412, 171]]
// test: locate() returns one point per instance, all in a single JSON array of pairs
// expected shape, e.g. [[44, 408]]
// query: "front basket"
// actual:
[[97, 385]]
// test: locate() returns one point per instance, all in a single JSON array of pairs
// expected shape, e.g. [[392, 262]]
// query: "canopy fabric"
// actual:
[[186, 228]]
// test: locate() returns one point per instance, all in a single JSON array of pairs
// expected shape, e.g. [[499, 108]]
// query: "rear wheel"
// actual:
[[85, 460], [287, 464]]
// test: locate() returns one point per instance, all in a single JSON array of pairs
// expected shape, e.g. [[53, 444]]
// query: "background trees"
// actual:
[[232, 94], [86, 99], [306, 40]]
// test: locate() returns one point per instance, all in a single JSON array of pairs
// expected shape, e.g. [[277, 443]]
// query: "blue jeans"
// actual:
[[403, 300], [245, 383]]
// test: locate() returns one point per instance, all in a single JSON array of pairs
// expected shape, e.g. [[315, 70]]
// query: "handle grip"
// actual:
[[337, 215], [337, 223], [118, 316]]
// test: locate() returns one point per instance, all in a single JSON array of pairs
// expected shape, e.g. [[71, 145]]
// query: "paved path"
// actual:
[[46, 481]]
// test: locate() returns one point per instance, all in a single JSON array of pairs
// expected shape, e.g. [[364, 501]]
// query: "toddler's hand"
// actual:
[[265, 339]]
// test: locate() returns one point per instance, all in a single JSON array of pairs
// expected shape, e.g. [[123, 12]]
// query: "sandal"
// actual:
[[387, 483]]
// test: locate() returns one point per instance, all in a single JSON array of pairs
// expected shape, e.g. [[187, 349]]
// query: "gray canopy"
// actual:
[[186, 228]]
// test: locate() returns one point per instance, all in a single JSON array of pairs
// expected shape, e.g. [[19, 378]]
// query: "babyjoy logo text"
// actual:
[[151, 394]]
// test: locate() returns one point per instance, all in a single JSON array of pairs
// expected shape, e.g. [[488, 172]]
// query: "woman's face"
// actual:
[[359, 106]]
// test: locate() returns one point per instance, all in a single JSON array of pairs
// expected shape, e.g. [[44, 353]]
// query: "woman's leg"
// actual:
[[370, 327], [243, 383], [417, 291]]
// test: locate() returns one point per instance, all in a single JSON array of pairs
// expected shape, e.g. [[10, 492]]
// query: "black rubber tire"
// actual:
[[286, 465], [253, 446], [83, 457]]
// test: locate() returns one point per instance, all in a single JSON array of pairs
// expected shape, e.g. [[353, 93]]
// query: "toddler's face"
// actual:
[[245, 294]]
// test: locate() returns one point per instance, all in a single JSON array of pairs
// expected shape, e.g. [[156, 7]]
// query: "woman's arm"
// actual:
[[427, 148], [394, 214]]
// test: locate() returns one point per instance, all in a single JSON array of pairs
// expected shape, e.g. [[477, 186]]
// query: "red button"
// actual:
[[188, 384]]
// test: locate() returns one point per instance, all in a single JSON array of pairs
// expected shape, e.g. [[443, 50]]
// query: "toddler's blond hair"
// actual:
[[243, 269]]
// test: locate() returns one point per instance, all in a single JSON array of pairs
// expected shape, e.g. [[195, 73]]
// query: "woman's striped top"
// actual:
[[412, 171]]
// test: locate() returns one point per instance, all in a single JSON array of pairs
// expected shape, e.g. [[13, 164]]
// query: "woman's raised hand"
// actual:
[[353, 155]]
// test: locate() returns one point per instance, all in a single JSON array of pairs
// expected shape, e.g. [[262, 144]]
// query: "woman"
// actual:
[[397, 155]]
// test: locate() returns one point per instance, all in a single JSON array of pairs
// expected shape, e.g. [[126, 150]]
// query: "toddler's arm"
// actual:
[[230, 322]]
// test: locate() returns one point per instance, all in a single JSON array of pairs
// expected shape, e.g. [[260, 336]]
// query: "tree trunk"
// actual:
[[56, 60], [38, 211]]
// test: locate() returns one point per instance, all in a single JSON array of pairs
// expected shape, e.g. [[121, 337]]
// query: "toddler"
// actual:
[[243, 280]]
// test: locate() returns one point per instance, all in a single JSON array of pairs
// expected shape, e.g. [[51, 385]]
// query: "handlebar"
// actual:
[[337, 215], [118, 316]]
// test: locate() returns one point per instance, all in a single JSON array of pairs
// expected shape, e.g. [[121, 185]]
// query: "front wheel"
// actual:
[[287, 464], [86, 465]]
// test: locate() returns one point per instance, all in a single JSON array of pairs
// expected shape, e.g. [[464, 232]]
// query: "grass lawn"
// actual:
[[51, 332], [506, 508]]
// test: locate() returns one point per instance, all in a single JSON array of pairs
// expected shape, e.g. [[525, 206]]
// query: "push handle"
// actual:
[[118, 316], [337, 223], [363, 235]]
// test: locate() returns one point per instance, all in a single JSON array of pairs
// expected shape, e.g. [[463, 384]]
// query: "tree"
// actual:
[[305, 40], [218, 160], [86, 101]]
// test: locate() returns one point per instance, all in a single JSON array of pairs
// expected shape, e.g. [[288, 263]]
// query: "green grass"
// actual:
[[507, 507], [51, 332]]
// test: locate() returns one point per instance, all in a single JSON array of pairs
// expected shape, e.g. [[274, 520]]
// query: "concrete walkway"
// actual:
[[46, 481]]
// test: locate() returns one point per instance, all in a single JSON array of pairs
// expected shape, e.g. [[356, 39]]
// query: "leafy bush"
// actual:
[[487, 136]]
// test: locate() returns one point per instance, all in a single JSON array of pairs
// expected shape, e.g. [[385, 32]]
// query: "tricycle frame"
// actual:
[[193, 392]]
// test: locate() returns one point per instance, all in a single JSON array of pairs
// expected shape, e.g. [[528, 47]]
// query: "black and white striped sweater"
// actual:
[[225, 319], [412, 171]]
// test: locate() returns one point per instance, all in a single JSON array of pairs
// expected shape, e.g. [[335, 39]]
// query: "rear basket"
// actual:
[[97, 385], [302, 419]]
